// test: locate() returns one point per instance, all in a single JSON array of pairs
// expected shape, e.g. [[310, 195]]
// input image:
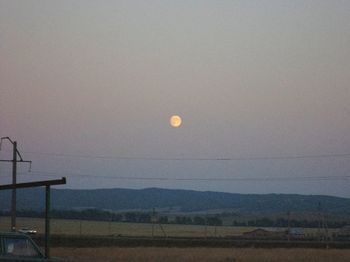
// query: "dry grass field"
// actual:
[[76, 227], [83, 227], [143, 254]]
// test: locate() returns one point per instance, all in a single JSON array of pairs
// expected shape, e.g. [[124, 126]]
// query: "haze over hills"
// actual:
[[180, 200]]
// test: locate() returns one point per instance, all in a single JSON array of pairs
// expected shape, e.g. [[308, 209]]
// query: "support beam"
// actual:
[[47, 222], [61, 181]]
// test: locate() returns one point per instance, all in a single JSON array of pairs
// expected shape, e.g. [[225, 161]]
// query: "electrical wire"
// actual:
[[345, 155], [217, 179], [271, 178]]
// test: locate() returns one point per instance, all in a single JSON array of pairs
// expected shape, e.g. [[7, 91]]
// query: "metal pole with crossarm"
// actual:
[[14, 161]]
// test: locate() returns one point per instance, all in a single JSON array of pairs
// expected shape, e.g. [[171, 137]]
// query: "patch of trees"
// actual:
[[85, 214], [133, 217], [136, 217], [146, 217], [198, 220], [283, 222]]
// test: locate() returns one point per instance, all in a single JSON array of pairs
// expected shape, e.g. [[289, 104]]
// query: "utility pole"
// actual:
[[288, 232], [153, 220], [319, 220], [14, 182], [206, 226], [14, 161]]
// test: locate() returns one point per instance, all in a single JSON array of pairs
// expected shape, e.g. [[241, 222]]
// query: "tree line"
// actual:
[[283, 222], [132, 217], [147, 217]]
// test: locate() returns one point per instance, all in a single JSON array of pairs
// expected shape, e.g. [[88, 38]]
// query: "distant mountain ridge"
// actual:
[[181, 200]]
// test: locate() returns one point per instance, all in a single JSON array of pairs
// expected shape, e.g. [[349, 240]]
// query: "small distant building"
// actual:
[[265, 233], [259, 232], [344, 233], [296, 232], [345, 230]]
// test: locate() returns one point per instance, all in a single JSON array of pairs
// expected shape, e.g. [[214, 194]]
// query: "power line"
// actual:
[[217, 179], [345, 155]]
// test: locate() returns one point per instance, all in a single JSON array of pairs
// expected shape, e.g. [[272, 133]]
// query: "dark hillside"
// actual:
[[182, 200]]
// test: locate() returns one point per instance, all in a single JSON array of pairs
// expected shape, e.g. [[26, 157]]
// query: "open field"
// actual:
[[71, 228], [202, 254], [83, 227]]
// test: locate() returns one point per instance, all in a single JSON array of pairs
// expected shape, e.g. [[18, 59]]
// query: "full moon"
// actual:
[[175, 121]]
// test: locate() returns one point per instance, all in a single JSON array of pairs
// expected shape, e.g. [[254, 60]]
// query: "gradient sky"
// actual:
[[250, 79]]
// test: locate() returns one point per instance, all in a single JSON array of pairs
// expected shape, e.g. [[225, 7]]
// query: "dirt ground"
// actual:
[[202, 254]]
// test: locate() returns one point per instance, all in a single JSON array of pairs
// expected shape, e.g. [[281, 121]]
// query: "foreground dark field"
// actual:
[[202, 254]]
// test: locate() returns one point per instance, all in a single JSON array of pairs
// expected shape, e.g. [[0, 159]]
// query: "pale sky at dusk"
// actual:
[[250, 79]]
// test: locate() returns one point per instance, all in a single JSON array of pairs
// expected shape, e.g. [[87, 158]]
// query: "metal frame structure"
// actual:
[[47, 184]]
